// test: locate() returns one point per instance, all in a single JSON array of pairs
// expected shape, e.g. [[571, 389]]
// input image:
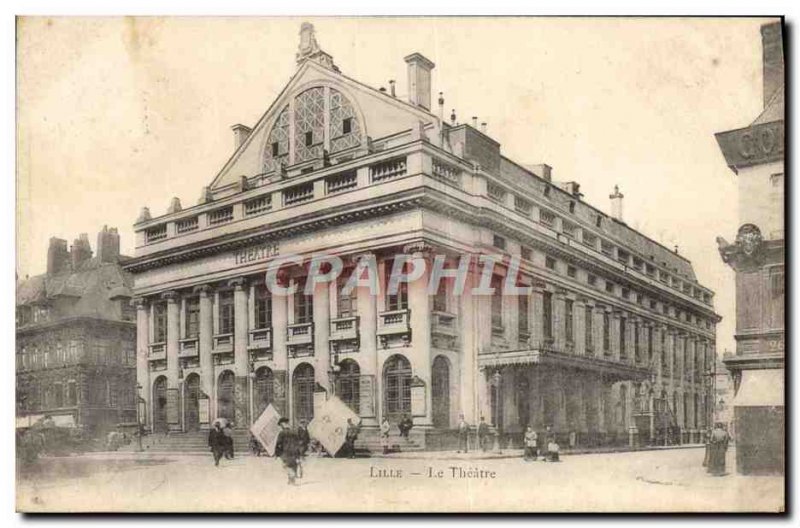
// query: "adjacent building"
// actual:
[[613, 344], [76, 338], [755, 154]]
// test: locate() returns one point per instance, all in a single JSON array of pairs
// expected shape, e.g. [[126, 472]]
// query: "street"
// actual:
[[647, 481]]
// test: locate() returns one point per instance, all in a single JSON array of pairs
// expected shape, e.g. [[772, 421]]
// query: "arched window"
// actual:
[[264, 389], [396, 387], [192, 402], [225, 396], [160, 404], [348, 384], [303, 387]]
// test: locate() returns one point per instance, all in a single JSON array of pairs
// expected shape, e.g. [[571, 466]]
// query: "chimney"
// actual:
[[616, 203], [453, 117], [108, 245], [58, 258], [475, 122], [391, 88], [81, 251], [441, 106], [144, 215], [240, 135], [542, 170], [772, 49], [483, 127], [419, 80]]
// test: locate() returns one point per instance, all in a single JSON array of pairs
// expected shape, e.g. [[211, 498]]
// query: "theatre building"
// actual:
[[612, 344], [76, 338], [755, 154]]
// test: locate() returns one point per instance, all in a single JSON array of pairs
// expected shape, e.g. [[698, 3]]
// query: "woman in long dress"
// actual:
[[717, 450]]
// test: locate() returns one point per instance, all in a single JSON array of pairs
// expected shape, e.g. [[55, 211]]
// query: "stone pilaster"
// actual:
[[368, 345], [322, 328], [469, 350], [142, 364], [241, 359], [280, 353], [419, 303], [205, 344]]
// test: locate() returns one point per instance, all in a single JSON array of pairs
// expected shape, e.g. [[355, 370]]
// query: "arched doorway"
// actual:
[[303, 387], [160, 405], [264, 389], [396, 388], [348, 387], [440, 392], [191, 398], [225, 406]]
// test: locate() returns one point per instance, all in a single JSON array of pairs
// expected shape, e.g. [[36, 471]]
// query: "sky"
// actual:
[[119, 113]]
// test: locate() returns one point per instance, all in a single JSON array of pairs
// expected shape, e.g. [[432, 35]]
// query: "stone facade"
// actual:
[[76, 337], [611, 345], [756, 155]]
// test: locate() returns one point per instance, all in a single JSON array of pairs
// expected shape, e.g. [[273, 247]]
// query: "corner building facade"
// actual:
[[610, 346]]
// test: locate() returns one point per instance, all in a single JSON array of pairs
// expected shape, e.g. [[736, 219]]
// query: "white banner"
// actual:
[[266, 429], [329, 425]]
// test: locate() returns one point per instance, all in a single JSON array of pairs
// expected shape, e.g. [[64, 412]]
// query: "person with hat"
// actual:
[[718, 447], [217, 442], [287, 447]]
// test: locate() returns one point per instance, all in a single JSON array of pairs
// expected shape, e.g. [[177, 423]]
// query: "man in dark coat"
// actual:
[[405, 426], [718, 447], [303, 437], [287, 447], [216, 441], [350, 438], [463, 435], [483, 435], [228, 432]]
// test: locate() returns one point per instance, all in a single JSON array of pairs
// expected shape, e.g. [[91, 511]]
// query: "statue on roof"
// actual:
[[309, 48]]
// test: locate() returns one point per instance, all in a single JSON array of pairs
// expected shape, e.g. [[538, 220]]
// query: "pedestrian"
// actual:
[[303, 437], [350, 438], [216, 441], [255, 446], [463, 435], [483, 435], [531, 447], [287, 447], [385, 435], [228, 432], [405, 426], [718, 450]]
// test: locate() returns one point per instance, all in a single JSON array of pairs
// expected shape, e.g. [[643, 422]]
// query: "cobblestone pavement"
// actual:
[[646, 481]]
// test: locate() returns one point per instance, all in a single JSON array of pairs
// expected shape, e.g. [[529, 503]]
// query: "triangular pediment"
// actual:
[[318, 110]]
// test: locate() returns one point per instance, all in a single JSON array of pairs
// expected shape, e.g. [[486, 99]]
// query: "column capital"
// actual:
[[170, 296], [419, 249], [140, 303], [238, 283], [202, 290], [560, 293], [355, 258]]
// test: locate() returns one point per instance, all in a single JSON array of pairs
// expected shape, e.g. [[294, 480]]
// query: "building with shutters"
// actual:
[[611, 345], [755, 154], [76, 338]]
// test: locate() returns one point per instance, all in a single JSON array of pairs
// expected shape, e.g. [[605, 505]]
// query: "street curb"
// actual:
[[449, 455]]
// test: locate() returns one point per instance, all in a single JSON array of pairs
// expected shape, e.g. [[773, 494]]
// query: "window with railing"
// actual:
[[221, 215], [440, 297], [156, 233], [395, 300], [495, 192], [346, 301], [226, 312], [186, 225], [159, 322], [298, 194], [522, 205], [387, 170], [341, 182], [263, 307], [606, 247], [445, 172], [623, 256], [650, 269], [259, 205], [589, 239], [303, 303], [192, 317]]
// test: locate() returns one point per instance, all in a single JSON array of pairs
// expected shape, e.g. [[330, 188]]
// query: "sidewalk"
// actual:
[[517, 453]]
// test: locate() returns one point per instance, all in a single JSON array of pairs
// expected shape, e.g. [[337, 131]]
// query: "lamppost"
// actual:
[[138, 416], [251, 374]]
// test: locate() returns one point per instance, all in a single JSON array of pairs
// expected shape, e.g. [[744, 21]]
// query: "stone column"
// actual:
[[537, 308], [205, 343], [469, 351], [174, 378], [419, 303], [616, 324], [579, 325], [559, 332], [322, 329], [484, 395], [142, 363], [368, 346], [280, 354], [241, 359]]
